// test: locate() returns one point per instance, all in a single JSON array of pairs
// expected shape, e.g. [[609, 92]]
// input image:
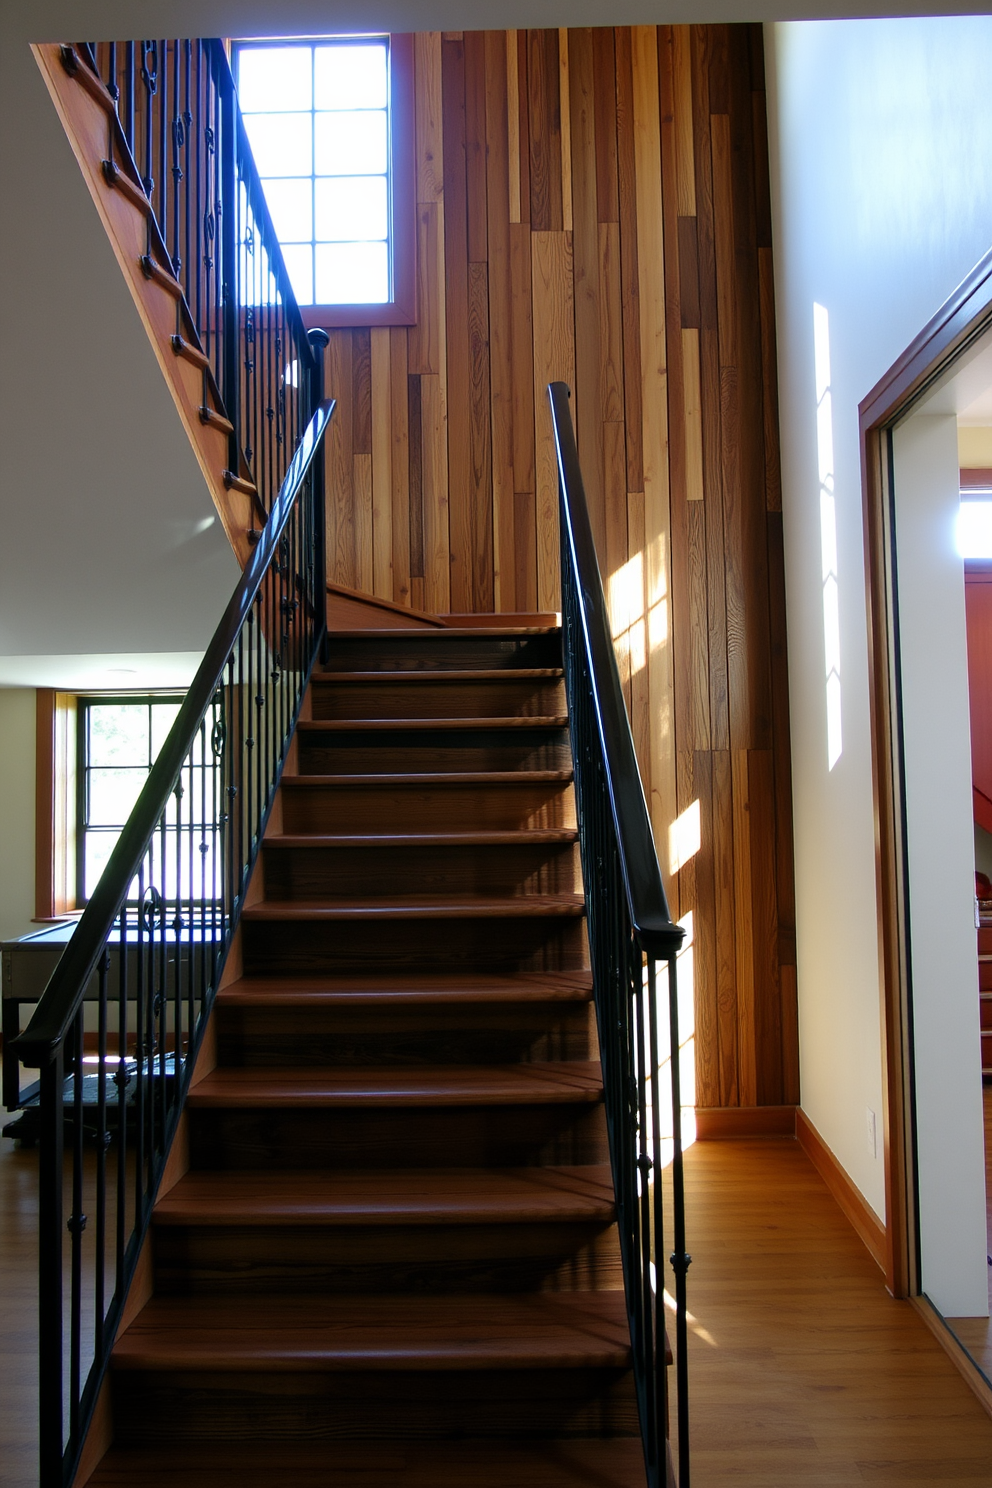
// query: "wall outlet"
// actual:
[[871, 1132]]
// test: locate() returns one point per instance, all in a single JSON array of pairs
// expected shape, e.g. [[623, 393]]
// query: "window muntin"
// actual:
[[317, 114]]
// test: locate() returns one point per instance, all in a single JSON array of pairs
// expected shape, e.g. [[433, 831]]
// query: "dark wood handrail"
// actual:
[[657, 934], [60, 1003]]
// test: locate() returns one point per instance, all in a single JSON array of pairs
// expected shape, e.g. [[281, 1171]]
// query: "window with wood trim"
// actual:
[[93, 756], [118, 741], [330, 122], [55, 804]]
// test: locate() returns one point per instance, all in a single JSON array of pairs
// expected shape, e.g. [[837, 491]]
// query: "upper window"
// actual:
[[325, 122]]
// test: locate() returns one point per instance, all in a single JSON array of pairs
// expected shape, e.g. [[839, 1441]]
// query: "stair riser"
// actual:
[[277, 1037], [478, 808], [432, 652], [312, 873], [496, 946], [528, 698], [376, 1259], [402, 1137], [423, 751], [375, 1406]]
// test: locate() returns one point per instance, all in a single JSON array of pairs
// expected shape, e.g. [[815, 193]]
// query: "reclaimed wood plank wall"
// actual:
[[593, 206]]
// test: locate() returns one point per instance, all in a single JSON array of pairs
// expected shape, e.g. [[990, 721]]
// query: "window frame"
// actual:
[[85, 701], [401, 310]]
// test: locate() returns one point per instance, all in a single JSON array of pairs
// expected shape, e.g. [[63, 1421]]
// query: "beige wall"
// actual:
[[17, 718]]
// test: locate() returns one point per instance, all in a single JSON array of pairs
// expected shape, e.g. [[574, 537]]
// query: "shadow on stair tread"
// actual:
[[441, 1085], [615, 1463], [404, 989], [404, 1196], [565, 1330]]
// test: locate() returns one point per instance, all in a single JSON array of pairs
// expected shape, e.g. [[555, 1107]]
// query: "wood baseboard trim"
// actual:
[[729, 1123], [955, 1351], [855, 1207]]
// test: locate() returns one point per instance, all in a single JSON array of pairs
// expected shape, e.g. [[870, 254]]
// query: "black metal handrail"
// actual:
[[175, 132], [630, 931], [150, 948]]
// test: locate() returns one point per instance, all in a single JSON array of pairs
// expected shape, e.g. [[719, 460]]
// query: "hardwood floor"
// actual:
[[976, 1333], [803, 1369], [18, 1316]]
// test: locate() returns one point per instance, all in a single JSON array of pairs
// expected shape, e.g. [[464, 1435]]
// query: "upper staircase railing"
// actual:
[[177, 146], [630, 932], [143, 965]]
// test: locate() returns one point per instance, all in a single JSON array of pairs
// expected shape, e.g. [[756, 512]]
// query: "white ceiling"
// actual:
[[979, 412], [54, 19], [121, 671], [967, 389]]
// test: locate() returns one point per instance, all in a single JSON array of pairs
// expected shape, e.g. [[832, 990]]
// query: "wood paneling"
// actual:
[[593, 205]]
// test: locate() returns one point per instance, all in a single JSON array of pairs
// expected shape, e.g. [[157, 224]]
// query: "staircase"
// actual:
[[392, 1254]]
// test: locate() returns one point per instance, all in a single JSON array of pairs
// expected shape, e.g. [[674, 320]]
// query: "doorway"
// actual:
[[913, 428]]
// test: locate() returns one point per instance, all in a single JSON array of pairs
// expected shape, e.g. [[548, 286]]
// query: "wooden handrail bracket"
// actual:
[[115, 177], [216, 420], [78, 70], [190, 353], [238, 483], [165, 277]]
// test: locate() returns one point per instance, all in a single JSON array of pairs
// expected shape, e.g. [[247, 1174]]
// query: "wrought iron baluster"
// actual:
[[102, 1139], [76, 1224], [140, 1115], [121, 1080]]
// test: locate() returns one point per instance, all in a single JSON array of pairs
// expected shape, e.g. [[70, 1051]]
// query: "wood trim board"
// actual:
[[729, 1123], [964, 317], [852, 1202], [956, 1352]]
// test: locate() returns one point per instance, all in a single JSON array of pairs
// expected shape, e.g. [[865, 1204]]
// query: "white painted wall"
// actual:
[[17, 755], [940, 847], [882, 202], [110, 540]]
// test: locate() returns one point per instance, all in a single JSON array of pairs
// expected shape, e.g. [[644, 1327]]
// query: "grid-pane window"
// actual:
[[119, 741], [318, 119]]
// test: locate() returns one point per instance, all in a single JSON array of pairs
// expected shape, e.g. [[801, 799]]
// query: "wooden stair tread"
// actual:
[[447, 777], [614, 1463], [455, 1196], [470, 724], [418, 907], [443, 632], [525, 837], [539, 1083], [430, 675], [405, 990], [292, 1333]]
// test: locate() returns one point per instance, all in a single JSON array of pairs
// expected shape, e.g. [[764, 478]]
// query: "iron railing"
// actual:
[[177, 142], [633, 946], [154, 937]]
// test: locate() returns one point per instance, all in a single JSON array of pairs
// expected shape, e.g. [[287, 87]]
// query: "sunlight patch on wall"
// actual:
[[684, 837], [625, 596], [828, 533]]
